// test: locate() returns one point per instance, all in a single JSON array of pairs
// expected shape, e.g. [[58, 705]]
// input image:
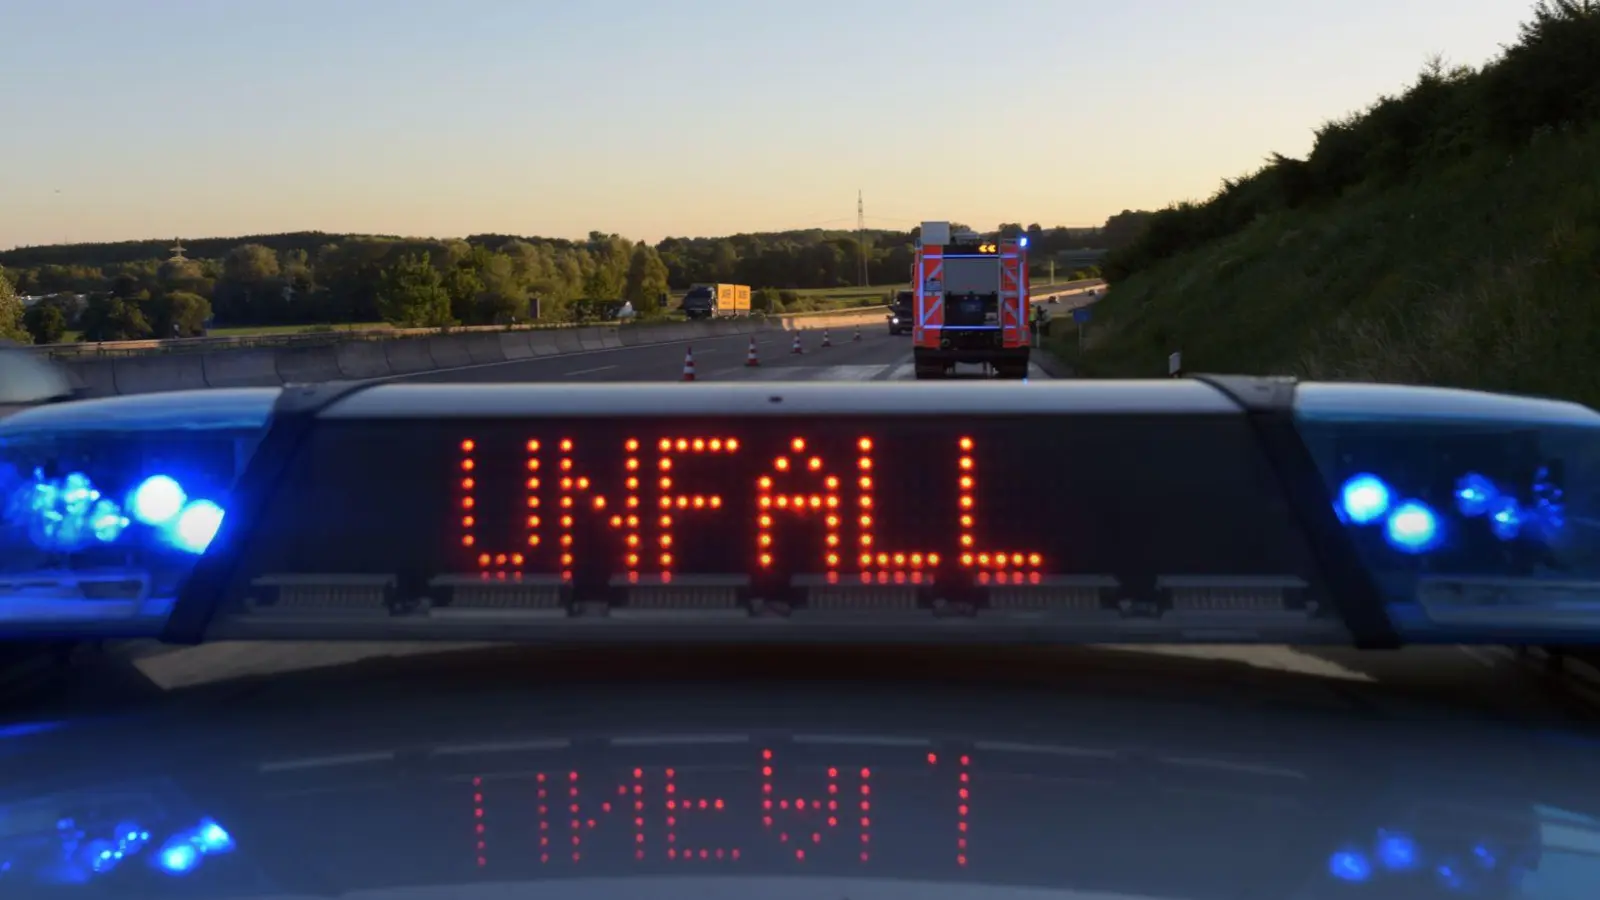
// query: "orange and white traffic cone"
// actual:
[[857, 336], [750, 358], [688, 364], [825, 341], [797, 348]]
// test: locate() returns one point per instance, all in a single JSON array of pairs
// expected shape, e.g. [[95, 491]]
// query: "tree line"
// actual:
[[1544, 82], [139, 289]]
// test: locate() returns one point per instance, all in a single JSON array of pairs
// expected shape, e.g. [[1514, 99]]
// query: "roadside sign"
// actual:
[[1080, 315]]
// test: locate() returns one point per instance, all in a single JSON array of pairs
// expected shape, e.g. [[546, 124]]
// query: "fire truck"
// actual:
[[971, 303]]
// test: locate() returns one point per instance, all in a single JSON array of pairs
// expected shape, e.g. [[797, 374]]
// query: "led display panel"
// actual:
[[898, 512]]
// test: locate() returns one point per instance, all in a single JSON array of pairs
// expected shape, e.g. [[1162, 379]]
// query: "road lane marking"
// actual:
[[588, 371], [564, 355], [853, 373]]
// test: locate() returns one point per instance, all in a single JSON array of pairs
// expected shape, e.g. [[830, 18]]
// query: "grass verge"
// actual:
[[1483, 276]]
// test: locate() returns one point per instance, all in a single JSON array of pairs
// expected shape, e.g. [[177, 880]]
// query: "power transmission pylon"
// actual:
[[861, 237]]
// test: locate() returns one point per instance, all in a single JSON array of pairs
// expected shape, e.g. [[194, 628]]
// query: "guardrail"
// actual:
[[356, 360], [389, 354], [313, 338]]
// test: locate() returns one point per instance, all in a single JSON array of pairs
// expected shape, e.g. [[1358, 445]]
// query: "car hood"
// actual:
[[490, 773]]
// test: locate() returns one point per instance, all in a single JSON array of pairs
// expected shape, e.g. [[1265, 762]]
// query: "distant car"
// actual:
[[900, 313], [28, 378]]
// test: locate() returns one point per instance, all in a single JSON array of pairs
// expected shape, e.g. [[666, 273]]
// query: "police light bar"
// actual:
[[1214, 509]]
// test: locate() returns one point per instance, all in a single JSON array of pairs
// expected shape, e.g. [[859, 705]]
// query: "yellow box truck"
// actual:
[[707, 301]]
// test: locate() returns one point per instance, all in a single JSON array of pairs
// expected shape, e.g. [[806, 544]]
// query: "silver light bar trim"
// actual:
[[213, 409], [1413, 405], [775, 399]]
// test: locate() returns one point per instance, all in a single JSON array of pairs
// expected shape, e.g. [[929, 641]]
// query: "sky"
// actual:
[[134, 119]]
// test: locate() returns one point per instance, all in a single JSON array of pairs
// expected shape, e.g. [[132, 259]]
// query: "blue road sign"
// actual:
[[1080, 315]]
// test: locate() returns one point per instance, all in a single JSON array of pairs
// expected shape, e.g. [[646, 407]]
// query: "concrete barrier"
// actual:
[[97, 377], [241, 368], [408, 355], [543, 343], [567, 341], [308, 365], [154, 374], [484, 348], [592, 338], [514, 345], [449, 351], [362, 359], [648, 333]]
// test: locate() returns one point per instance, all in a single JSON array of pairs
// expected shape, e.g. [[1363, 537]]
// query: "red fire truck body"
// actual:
[[971, 303]]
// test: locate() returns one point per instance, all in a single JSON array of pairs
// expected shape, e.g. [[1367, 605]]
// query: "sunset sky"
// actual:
[[129, 119]]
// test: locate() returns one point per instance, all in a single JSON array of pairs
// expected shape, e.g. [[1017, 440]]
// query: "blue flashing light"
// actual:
[[70, 513], [1490, 533], [80, 855], [212, 838], [157, 500], [105, 505], [179, 858], [1364, 499], [1397, 852], [1022, 242], [1413, 527], [196, 526], [106, 521], [65, 514], [1450, 876], [1549, 504], [1350, 865], [184, 851], [1506, 518], [1474, 493]]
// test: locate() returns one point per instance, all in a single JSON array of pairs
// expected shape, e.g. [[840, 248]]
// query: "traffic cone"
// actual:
[[797, 348], [688, 364], [858, 335], [825, 341], [750, 358]]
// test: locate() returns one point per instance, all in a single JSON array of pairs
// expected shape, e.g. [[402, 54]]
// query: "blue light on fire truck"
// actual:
[[1022, 242]]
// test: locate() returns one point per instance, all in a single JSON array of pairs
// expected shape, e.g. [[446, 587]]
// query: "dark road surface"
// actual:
[[877, 356]]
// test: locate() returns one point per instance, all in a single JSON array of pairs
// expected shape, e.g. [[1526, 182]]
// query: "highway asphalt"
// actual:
[[877, 356]]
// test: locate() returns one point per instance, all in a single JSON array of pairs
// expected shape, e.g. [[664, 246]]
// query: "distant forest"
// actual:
[[133, 289]]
